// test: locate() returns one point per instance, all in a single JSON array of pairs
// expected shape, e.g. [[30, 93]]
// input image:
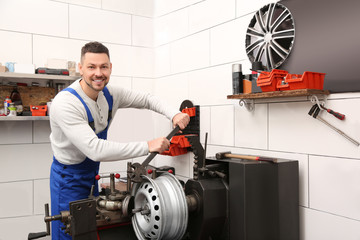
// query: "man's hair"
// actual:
[[94, 47]]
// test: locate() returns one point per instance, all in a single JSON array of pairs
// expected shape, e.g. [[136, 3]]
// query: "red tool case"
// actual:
[[281, 80]]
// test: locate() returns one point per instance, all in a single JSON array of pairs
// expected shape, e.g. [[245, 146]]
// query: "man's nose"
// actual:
[[98, 72]]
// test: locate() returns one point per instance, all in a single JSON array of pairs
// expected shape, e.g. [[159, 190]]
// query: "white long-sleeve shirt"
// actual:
[[72, 139]]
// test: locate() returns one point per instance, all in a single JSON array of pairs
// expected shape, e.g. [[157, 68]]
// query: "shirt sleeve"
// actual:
[[74, 130]]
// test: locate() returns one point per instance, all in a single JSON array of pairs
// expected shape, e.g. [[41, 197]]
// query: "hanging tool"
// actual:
[[336, 114], [314, 112], [222, 155]]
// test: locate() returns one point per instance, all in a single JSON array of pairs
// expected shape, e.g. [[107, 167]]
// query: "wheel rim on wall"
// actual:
[[167, 212], [270, 36]]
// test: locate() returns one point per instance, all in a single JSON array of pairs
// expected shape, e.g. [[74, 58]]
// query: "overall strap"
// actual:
[[90, 118], [109, 99]]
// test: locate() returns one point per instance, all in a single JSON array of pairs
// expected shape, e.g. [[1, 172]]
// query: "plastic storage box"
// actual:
[[308, 80], [38, 110], [268, 80]]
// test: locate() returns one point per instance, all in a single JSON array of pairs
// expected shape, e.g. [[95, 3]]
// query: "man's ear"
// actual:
[[110, 68], [80, 69]]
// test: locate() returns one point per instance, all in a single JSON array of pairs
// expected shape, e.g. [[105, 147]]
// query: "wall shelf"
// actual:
[[23, 118], [11, 75], [247, 99], [42, 94]]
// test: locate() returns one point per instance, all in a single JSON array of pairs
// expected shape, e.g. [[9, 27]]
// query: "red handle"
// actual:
[[336, 114]]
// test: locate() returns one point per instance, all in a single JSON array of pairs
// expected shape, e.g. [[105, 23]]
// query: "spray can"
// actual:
[[7, 102], [237, 79]]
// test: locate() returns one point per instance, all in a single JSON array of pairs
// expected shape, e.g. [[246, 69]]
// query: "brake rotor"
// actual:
[[161, 209]]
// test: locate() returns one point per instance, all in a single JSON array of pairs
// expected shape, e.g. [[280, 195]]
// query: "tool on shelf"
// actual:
[[314, 112], [338, 115], [222, 155]]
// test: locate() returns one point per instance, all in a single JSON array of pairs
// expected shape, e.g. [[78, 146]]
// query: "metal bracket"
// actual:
[[248, 103], [314, 99]]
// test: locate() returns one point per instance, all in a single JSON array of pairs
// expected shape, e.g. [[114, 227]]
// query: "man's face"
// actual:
[[95, 69]]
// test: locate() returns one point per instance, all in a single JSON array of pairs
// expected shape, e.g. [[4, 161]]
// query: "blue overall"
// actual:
[[73, 182]]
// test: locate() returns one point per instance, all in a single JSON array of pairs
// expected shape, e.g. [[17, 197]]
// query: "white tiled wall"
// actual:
[[33, 32], [177, 50], [198, 43]]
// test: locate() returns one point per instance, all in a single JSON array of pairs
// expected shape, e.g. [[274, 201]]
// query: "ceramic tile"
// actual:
[[171, 27], [136, 7], [143, 62], [180, 163], [145, 85], [142, 31], [222, 125], [125, 82], [122, 58], [41, 132], [292, 129], [21, 201], [18, 47], [244, 8], [37, 17], [45, 48], [15, 132], [205, 123], [228, 41], [41, 195], [334, 185], [25, 161], [116, 30], [206, 14], [162, 61], [190, 53], [163, 7], [315, 225], [210, 86], [173, 89], [251, 126], [18, 228], [89, 3]]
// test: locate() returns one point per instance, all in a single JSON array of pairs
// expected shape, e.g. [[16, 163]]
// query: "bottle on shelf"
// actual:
[[7, 102]]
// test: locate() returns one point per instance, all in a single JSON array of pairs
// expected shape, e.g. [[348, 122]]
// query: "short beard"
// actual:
[[90, 86]]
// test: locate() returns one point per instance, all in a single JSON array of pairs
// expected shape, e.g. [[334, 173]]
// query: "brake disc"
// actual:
[[161, 211], [270, 36]]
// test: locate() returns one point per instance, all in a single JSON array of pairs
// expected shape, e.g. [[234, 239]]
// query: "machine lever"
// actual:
[[36, 235], [153, 154], [42, 234]]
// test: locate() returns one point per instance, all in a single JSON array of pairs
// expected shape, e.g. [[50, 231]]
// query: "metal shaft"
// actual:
[[338, 131]]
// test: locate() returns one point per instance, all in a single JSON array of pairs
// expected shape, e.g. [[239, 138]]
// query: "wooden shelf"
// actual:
[[7, 75], [277, 94], [24, 118]]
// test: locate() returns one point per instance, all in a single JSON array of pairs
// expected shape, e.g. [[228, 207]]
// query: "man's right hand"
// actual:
[[158, 145]]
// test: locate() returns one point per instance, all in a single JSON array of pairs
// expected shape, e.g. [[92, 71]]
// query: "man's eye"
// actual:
[[105, 67], [91, 67]]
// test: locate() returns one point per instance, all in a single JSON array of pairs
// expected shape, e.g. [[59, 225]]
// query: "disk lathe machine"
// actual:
[[229, 197]]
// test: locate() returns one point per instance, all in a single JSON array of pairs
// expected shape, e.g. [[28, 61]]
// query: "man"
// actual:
[[79, 120]]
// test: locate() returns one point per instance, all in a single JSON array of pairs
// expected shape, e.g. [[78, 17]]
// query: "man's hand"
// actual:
[[159, 145], [181, 119]]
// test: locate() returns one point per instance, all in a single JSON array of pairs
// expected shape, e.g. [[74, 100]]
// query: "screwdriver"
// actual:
[[336, 114]]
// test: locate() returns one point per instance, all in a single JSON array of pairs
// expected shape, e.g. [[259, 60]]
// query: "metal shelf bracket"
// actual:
[[248, 103]]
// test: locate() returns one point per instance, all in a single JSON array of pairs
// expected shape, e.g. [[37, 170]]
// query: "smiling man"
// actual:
[[79, 120]]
